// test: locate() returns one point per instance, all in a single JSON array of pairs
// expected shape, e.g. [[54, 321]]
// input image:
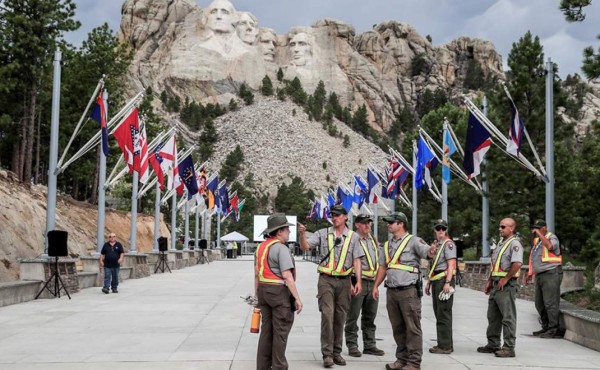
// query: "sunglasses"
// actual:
[[440, 228], [503, 227]]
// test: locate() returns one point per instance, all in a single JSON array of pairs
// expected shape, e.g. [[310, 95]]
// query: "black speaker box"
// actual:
[[162, 244], [57, 243], [203, 244]]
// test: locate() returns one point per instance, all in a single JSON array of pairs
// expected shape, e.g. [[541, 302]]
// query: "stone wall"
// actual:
[[42, 270]]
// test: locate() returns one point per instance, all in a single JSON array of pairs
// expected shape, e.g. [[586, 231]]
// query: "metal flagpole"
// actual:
[[218, 228], [204, 223], [186, 237], [134, 200], [101, 189], [156, 217], [53, 158], [414, 194], [485, 202], [173, 220], [550, 145], [375, 219], [197, 219], [444, 185]]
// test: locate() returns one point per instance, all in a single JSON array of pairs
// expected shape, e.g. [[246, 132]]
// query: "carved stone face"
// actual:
[[301, 49], [221, 16], [267, 45], [247, 28]]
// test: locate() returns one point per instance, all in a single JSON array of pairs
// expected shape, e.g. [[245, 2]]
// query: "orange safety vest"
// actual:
[[435, 262], [496, 269], [372, 271], [393, 262], [265, 274], [547, 256], [332, 268]]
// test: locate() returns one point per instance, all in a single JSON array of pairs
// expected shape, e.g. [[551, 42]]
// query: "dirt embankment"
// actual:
[[23, 223]]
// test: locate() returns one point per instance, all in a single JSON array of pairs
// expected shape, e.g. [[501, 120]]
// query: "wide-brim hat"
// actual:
[[276, 221], [396, 216]]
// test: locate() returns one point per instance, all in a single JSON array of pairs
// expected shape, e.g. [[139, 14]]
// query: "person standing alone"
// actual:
[[111, 257]]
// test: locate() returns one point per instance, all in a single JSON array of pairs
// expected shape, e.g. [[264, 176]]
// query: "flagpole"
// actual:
[[550, 145], [173, 220], [53, 158], [156, 217], [485, 202], [186, 238], [101, 189], [444, 185], [197, 220], [414, 193], [218, 229], [204, 223], [375, 219], [134, 200]]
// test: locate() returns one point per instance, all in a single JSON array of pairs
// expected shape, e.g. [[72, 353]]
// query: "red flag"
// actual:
[[125, 134], [141, 156]]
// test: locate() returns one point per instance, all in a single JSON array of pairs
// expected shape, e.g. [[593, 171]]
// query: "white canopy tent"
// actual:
[[238, 238]]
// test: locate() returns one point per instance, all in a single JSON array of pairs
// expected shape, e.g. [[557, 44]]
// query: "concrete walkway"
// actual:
[[194, 319]]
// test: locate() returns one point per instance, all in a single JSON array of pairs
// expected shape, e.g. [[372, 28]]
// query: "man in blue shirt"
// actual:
[[111, 257]]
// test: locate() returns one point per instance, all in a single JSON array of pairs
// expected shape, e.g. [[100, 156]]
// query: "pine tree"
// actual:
[[208, 138], [360, 121], [232, 165], [233, 106], [280, 75], [267, 86], [245, 94]]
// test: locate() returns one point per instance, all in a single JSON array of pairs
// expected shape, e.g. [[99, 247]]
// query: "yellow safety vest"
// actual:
[[496, 270], [331, 268], [372, 266], [392, 262], [435, 262], [548, 256]]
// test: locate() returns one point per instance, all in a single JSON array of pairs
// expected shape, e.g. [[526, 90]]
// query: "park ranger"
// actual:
[[364, 305], [502, 287], [400, 264], [545, 262], [340, 253]]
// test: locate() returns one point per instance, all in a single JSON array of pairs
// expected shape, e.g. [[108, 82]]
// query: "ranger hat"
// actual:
[[539, 224], [396, 216], [440, 222], [338, 210], [276, 221], [362, 219]]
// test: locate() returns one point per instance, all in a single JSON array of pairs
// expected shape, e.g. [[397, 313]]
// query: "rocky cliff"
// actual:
[[23, 222], [205, 54]]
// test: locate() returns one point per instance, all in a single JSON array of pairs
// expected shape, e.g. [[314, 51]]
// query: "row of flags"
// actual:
[[133, 142]]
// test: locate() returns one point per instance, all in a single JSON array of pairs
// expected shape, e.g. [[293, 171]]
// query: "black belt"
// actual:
[[402, 287], [496, 281], [438, 272], [335, 277]]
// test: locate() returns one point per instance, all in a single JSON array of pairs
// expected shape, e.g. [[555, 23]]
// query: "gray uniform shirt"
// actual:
[[513, 253], [368, 242], [320, 240], [411, 255], [448, 254], [538, 251], [279, 259]]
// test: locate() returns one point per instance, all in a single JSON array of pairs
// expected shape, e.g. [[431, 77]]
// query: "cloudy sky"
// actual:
[[500, 21]]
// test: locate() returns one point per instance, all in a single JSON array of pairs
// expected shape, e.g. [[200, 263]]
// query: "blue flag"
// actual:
[[478, 142], [449, 149], [211, 192], [188, 176], [360, 191], [515, 133], [426, 163], [372, 180], [223, 199]]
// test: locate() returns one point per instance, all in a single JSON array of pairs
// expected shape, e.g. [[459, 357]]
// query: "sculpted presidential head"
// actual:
[[247, 27], [300, 47], [268, 42], [220, 16]]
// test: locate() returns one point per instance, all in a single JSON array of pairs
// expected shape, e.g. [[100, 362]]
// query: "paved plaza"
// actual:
[[194, 318]]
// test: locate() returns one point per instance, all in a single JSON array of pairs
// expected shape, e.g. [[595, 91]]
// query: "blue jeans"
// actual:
[[111, 273]]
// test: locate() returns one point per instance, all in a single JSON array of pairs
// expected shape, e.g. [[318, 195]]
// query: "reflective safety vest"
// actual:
[[372, 271], [496, 270], [547, 256], [393, 262], [435, 277], [332, 268], [265, 274]]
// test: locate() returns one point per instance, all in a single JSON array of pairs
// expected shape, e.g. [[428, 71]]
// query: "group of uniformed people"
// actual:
[[352, 267]]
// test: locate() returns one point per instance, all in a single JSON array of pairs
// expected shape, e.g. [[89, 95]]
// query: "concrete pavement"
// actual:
[[194, 319]]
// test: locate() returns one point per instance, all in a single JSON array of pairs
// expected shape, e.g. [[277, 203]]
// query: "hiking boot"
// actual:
[[505, 352], [105, 290], [410, 367], [115, 291], [374, 351], [327, 361], [354, 352], [440, 351], [398, 365], [339, 360], [549, 334], [487, 349], [537, 333]]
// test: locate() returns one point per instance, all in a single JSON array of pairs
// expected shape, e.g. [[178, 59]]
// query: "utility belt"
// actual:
[[334, 276], [495, 280], [405, 287], [557, 269]]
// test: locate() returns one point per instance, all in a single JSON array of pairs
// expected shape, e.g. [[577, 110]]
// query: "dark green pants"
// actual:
[[443, 314], [277, 321], [502, 315], [404, 311], [368, 305], [547, 297], [334, 299]]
